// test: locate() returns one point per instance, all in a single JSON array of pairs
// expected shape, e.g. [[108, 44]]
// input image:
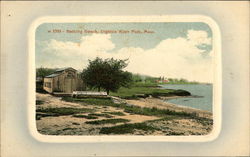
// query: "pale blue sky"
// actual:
[[168, 32], [162, 31]]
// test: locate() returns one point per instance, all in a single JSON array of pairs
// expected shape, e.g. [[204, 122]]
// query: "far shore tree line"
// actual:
[[109, 75]]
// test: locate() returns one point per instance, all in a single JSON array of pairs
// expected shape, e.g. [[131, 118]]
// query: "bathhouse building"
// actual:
[[64, 80]]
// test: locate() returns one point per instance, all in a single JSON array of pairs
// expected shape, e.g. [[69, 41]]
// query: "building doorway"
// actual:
[[68, 85]]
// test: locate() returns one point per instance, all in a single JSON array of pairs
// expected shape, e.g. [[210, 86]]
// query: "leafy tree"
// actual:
[[136, 78], [150, 79], [42, 72], [183, 80], [170, 80], [107, 74]]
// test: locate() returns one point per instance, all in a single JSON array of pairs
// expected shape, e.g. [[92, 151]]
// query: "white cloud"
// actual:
[[96, 43], [174, 58], [198, 37], [61, 48]]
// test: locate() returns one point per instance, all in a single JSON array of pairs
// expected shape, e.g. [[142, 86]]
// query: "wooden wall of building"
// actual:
[[47, 84], [67, 82]]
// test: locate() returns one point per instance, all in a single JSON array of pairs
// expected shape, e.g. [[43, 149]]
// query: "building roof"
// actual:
[[53, 75], [58, 72], [62, 69]]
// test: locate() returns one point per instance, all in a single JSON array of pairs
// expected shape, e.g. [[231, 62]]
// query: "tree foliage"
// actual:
[[42, 72], [107, 74]]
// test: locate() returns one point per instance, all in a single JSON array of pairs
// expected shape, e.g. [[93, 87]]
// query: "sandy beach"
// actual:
[[161, 104], [80, 123]]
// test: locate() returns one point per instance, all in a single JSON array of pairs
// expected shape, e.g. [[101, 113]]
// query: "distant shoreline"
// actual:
[[185, 83]]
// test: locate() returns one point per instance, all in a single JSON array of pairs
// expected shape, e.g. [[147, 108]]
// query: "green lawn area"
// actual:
[[143, 91]]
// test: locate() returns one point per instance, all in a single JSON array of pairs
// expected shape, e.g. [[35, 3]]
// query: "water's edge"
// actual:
[[201, 95]]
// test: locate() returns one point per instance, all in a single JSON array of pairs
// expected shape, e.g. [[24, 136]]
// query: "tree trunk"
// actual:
[[107, 92], [99, 89]]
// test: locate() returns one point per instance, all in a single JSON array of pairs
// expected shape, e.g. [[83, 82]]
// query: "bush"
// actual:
[[39, 87]]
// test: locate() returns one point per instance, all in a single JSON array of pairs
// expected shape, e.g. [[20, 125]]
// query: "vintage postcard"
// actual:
[[126, 77]]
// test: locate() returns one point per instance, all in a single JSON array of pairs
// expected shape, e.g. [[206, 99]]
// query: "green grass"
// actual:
[[133, 109], [100, 115], [107, 121], [64, 111], [85, 116], [175, 133], [204, 121], [39, 102], [116, 113], [67, 129], [147, 84], [145, 91], [126, 128], [155, 111], [131, 93], [75, 123], [39, 116], [91, 101], [138, 90]]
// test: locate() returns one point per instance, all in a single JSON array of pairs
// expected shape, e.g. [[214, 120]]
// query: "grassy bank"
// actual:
[[146, 90]]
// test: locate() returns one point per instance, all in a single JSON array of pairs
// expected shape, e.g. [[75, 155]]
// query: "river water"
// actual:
[[204, 101]]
